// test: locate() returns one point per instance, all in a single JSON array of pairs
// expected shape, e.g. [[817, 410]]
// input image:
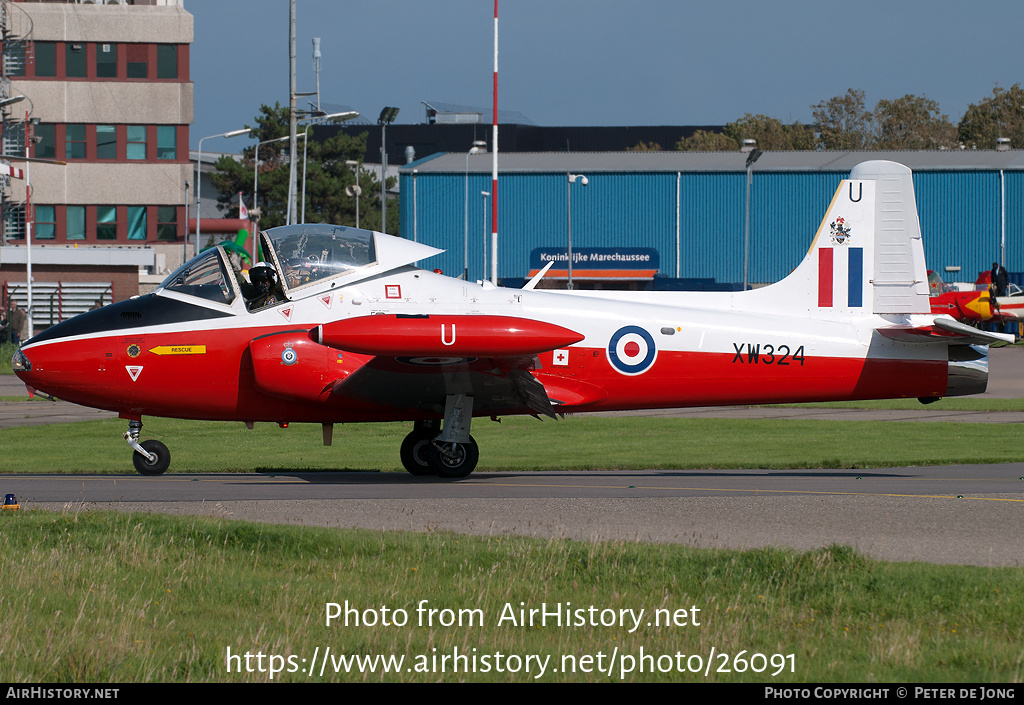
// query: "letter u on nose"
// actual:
[[448, 342]]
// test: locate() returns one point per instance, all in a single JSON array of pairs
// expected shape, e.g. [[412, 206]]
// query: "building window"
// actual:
[[45, 59], [167, 223], [167, 61], [46, 223], [138, 60], [46, 147], [136, 222], [106, 142], [136, 142], [106, 222], [106, 61], [74, 61], [76, 222], [166, 142], [74, 146]]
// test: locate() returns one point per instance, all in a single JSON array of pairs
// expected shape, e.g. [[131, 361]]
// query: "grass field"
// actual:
[[575, 443], [111, 597]]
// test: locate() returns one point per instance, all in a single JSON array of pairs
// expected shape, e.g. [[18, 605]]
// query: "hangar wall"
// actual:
[[959, 206]]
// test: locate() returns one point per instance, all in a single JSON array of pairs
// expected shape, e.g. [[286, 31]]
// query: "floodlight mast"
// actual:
[[387, 116]]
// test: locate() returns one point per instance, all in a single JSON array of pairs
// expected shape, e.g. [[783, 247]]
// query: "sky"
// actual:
[[600, 62]]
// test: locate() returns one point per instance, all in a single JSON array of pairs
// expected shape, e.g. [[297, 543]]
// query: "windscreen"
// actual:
[[205, 277]]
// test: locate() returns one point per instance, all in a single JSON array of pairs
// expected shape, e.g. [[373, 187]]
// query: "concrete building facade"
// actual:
[[107, 91]]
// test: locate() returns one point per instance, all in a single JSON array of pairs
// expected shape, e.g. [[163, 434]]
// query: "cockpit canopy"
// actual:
[[308, 254], [308, 258]]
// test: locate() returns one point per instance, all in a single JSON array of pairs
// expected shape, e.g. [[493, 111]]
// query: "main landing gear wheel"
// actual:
[[453, 460], [161, 458], [414, 452]]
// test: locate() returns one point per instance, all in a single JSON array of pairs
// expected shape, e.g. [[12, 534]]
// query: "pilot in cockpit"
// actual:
[[265, 290]]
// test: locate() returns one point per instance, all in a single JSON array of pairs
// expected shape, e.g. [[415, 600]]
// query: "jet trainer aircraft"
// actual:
[[355, 332]]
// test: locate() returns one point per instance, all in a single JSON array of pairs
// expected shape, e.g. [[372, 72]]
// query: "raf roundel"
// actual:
[[631, 350]]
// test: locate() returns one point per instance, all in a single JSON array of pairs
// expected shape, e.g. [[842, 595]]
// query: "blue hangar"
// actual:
[[689, 209]]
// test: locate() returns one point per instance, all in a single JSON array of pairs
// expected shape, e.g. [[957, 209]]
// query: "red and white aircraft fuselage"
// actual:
[[358, 333]]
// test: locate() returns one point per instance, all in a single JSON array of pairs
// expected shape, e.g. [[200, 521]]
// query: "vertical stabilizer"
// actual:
[[900, 283], [867, 256]]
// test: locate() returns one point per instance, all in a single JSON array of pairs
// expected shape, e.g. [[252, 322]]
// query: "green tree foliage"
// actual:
[[1000, 115], [842, 122], [645, 147], [769, 133], [707, 141], [327, 177], [912, 122]]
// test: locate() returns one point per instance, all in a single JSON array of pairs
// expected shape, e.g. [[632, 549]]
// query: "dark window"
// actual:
[[45, 59], [136, 142], [138, 60], [166, 142], [46, 147], [46, 223], [106, 61], [74, 147], [76, 222], [167, 61], [136, 222], [106, 222], [167, 223], [106, 142], [74, 61]]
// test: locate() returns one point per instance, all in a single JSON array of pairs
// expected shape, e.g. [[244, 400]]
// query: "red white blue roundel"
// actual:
[[631, 350]]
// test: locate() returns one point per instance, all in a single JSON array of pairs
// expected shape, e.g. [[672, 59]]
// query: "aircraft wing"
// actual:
[[945, 329], [418, 360], [498, 386]]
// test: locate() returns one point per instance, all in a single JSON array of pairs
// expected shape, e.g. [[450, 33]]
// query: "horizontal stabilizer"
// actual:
[[945, 330]]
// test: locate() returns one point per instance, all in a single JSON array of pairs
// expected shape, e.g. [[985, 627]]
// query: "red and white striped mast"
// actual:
[[494, 160]]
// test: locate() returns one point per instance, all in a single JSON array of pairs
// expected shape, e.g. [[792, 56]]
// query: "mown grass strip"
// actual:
[[575, 443], [107, 596]]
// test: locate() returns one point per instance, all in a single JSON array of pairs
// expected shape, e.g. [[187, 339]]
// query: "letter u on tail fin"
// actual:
[[867, 256]]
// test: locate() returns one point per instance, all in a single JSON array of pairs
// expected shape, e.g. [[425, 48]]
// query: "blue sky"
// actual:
[[600, 62]]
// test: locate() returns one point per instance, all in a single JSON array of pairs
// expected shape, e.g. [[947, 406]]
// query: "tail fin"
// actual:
[[867, 255]]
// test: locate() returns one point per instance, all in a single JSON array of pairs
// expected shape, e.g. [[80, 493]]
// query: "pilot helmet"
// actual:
[[263, 276]]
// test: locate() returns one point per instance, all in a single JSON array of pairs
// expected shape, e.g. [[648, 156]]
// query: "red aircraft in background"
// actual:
[[964, 306]]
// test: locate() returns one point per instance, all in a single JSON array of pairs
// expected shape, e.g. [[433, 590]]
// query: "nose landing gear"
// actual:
[[150, 457]]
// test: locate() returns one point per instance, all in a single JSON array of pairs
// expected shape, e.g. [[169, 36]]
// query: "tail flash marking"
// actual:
[[855, 298], [831, 276], [825, 277]]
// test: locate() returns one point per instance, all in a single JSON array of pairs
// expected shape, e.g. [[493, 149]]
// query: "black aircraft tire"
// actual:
[[415, 452], [453, 463], [159, 465]]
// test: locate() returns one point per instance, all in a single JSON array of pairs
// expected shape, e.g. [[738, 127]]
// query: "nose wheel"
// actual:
[[150, 457]]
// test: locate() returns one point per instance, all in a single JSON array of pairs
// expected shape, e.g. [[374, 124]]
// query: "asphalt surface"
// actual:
[[948, 514]]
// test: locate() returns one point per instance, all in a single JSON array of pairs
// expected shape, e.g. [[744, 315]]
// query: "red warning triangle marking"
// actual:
[[134, 371], [326, 300], [287, 313]]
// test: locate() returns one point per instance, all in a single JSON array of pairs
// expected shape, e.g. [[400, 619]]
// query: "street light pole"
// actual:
[[478, 146], [333, 117], [387, 116], [568, 190], [485, 194], [752, 157], [199, 183], [355, 189]]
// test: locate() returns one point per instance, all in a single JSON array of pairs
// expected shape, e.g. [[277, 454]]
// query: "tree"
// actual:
[[327, 177], [707, 141], [912, 122], [842, 122], [770, 133], [1001, 115]]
